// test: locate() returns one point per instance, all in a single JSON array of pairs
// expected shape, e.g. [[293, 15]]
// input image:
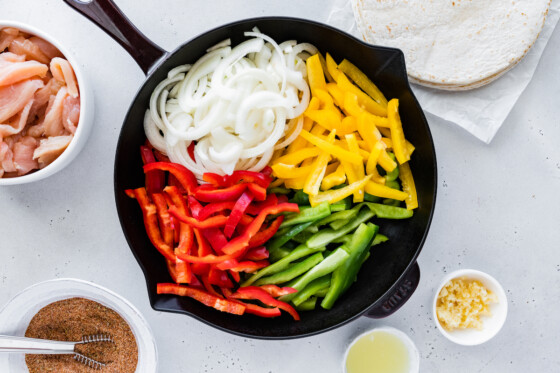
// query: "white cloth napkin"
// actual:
[[480, 111]]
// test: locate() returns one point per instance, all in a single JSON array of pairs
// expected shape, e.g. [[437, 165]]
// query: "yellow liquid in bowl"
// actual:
[[378, 352]]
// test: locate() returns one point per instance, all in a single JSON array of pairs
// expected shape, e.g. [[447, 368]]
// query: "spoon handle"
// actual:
[[34, 346]]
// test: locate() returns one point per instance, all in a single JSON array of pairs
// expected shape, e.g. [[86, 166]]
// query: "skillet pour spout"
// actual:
[[387, 280]]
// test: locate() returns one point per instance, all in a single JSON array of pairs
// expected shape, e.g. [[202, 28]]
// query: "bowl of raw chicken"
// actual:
[[46, 107]]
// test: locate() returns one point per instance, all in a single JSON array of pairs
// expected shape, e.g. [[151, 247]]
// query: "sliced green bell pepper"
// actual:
[[345, 275]]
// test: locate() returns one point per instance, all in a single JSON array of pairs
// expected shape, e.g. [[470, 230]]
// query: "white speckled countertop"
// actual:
[[497, 211]]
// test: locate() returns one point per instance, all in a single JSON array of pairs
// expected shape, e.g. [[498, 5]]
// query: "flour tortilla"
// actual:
[[453, 45]]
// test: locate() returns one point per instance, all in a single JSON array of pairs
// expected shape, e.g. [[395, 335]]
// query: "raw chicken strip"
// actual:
[[53, 119], [23, 155], [7, 35], [6, 158], [62, 71], [7, 58], [25, 47], [71, 113], [50, 149], [17, 123], [42, 97], [45, 47], [13, 72], [13, 98]]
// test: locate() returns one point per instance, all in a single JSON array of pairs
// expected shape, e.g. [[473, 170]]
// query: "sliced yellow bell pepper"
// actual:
[[358, 169], [397, 134], [385, 131], [364, 154], [347, 126], [371, 167], [365, 101], [384, 191], [338, 152], [351, 104], [296, 183], [388, 142], [276, 183], [298, 156], [407, 181], [367, 131], [300, 142], [318, 169], [409, 148], [333, 179], [314, 104], [336, 93], [386, 162], [288, 171], [335, 195], [326, 118], [332, 67], [332, 168], [362, 81], [315, 74], [325, 69]]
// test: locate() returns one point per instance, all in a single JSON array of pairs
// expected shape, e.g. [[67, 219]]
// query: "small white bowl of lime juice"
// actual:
[[382, 350]]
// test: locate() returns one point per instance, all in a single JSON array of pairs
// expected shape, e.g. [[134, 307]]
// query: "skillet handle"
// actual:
[[401, 293], [106, 15]]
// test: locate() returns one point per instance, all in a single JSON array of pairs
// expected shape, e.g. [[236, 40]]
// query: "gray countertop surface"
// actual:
[[498, 210]]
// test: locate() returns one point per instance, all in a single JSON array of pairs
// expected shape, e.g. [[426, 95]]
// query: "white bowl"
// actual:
[[16, 315], [491, 324], [414, 355], [86, 112]]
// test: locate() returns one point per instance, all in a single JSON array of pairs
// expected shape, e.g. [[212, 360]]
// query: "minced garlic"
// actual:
[[461, 302]]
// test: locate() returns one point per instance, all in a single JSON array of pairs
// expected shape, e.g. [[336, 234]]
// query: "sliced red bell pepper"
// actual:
[[245, 220], [219, 278], [258, 178], [257, 253], [267, 171], [208, 286], [255, 208], [241, 242], [155, 180], [265, 235], [164, 218], [276, 291], [204, 250], [214, 179], [190, 150], [186, 234], [194, 206], [185, 177], [253, 308], [216, 239], [212, 222], [234, 276], [149, 213], [205, 298], [213, 208], [246, 266], [258, 191], [256, 293], [238, 210], [206, 194]]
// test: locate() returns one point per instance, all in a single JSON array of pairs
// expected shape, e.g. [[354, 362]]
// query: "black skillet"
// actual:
[[387, 279]]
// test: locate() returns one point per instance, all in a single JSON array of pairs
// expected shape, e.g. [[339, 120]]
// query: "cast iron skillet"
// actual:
[[387, 279]]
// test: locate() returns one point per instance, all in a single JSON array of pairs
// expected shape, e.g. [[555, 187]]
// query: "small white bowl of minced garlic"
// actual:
[[470, 307]]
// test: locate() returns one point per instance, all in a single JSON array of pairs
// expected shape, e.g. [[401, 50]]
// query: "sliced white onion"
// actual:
[[237, 104]]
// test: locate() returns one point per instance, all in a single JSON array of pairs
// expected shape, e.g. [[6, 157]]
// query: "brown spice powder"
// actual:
[[70, 320]]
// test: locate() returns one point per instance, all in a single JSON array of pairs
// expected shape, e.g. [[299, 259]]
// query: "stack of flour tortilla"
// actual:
[[453, 44]]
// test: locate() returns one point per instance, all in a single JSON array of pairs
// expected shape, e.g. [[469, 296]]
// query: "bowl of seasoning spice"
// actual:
[[67, 310]]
